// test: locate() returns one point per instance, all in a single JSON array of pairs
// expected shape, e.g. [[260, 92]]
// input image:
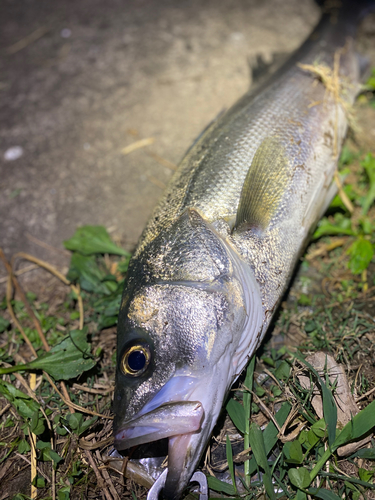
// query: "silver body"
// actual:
[[220, 248]]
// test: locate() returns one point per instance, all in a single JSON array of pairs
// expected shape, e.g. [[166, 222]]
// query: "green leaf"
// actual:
[[37, 426], [77, 424], [39, 482], [236, 413], [89, 240], [338, 225], [361, 424], [301, 495], [371, 81], [86, 424], [64, 361], [107, 321], [64, 493], [230, 463], [4, 324], [369, 165], [75, 420], [293, 452], [217, 485], [299, 477], [282, 371], [55, 457], [319, 429], [365, 475], [367, 453], [361, 253], [68, 359], [259, 451], [24, 405], [86, 271], [23, 446], [323, 494], [347, 156]]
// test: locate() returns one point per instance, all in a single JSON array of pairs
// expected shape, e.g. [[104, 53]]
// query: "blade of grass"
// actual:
[[270, 434], [236, 413], [247, 407], [329, 405], [360, 424], [324, 494], [230, 463], [259, 450], [217, 485]]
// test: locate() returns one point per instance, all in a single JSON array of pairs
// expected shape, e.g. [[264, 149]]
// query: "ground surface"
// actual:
[[155, 68], [101, 75]]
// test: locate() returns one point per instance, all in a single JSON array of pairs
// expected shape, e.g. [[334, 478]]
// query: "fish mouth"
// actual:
[[182, 412], [166, 421]]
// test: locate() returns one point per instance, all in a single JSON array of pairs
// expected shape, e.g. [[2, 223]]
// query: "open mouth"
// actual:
[[184, 411]]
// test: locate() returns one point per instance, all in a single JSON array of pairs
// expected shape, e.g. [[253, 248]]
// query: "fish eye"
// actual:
[[135, 360]]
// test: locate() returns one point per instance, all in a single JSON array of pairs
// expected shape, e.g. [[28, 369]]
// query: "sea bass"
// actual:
[[219, 250]]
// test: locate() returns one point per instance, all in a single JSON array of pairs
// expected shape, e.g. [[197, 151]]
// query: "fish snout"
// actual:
[[166, 421]]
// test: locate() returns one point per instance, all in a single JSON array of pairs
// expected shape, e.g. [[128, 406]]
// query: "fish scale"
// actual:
[[220, 248]]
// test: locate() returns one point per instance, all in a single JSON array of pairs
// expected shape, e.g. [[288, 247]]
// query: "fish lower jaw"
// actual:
[[166, 421]]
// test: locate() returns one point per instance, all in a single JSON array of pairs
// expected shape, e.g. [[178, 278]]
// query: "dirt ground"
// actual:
[[79, 81], [103, 74]]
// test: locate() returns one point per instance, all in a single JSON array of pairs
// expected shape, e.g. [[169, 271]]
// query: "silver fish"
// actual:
[[220, 248]]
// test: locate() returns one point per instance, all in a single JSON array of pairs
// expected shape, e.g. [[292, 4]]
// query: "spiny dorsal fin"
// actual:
[[264, 186]]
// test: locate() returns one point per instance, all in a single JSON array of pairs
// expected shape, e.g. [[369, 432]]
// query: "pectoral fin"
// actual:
[[264, 186]]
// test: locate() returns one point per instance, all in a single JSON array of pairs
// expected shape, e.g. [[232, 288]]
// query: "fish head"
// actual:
[[179, 344]]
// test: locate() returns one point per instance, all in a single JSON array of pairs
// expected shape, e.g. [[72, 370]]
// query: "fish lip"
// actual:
[[166, 421]]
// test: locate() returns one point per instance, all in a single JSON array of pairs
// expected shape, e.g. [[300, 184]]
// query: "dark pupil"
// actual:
[[136, 360]]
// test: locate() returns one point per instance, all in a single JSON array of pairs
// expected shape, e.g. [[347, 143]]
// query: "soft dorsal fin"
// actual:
[[264, 186]]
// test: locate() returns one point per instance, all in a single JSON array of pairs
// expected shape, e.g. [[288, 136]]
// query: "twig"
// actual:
[[20, 271], [19, 290], [99, 478], [93, 391], [28, 307], [73, 406], [55, 272], [6, 408], [39, 470], [13, 316], [42, 263], [27, 40], [107, 477], [365, 395], [45, 245], [97, 444], [265, 409], [77, 291], [137, 145], [162, 161], [33, 457], [33, 463], [156, 182]]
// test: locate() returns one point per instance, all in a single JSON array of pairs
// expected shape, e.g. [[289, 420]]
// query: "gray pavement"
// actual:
[[103, 74]]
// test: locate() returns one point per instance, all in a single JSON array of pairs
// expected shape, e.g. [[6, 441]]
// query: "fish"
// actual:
[[220, 248]]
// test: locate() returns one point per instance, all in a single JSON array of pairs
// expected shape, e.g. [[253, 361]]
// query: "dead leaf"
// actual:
[[345, 402]]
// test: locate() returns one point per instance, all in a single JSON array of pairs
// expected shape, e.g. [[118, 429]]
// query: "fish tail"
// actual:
[[351, 11]]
